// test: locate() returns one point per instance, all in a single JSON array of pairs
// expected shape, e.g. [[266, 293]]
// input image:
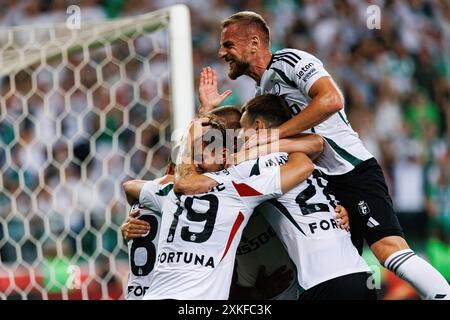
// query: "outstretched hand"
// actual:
[[208, 92]]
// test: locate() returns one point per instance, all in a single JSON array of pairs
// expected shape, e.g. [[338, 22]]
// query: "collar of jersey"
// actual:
[[270, 62]]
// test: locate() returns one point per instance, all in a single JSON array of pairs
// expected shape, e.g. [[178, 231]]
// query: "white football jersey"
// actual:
[[291, 73], [260, 246], [200, 234], [303, 219], [142, 251]]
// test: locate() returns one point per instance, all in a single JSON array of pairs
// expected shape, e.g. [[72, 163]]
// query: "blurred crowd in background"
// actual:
[[396, 82]]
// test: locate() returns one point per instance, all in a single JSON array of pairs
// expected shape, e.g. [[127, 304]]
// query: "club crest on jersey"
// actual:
[[363, 208], [276, 89]]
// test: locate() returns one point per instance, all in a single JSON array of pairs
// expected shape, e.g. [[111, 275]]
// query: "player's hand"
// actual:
[[275, 283], [342, 217], [261, 138], [133, 227], [208, 92]]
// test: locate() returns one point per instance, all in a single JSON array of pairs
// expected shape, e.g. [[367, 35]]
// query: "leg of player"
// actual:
[[394, 253]]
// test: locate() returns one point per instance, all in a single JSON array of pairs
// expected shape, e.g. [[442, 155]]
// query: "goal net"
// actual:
[[82, 111]]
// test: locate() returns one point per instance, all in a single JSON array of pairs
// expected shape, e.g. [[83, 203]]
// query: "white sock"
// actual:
[[427, 281]]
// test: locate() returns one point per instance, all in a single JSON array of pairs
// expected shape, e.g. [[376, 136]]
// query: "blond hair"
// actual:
[[249, 19]]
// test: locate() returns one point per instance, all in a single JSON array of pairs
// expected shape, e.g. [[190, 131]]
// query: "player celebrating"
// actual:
[[141, 230], [199, 234], [328, 265], [262, 269], [316, 104]]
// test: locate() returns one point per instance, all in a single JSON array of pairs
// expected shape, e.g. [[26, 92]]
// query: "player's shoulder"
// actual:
[[161, 186], [273, 159], [254, 167], [164, 189], [289, 57], [164, 180], [144, 210], [238, 172], [291, 51]]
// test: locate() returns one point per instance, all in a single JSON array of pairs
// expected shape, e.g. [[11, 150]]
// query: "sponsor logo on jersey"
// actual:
[[248, 245], [324, 225], [137, 291], [305, 72], [309, 75], [276, 84], [186, 258], [363, 208], [276, 89]]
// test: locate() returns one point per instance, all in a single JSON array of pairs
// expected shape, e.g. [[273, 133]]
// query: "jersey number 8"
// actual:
[[146, 243]]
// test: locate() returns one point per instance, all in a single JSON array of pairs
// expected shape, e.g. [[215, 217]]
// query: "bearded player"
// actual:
[[316, 105]]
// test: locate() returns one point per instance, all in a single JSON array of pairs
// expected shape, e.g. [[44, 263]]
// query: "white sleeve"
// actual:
[[149, 197], [259, 188], [307, 71], [215, 176]]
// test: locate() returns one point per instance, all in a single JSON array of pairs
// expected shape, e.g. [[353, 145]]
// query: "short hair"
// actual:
[[270, 108], [249, 19], [217, 124], [229, 115]]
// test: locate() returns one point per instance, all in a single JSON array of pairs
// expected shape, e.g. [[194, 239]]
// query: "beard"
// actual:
[[237, 69]]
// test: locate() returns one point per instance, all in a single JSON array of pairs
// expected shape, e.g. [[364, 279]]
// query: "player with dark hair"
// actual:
[[316, 105], [263, 269], [199, 234], [327, 263]]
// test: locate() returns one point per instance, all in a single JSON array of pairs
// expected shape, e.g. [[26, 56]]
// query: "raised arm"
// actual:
[[326, 100], [208, 92], [310, 144]]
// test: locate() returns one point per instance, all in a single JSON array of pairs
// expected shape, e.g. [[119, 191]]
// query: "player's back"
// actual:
[[199, 236], [303, 219], [142, 250]]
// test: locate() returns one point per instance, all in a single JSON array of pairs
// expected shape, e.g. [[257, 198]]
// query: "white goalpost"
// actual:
[[82, 111]]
